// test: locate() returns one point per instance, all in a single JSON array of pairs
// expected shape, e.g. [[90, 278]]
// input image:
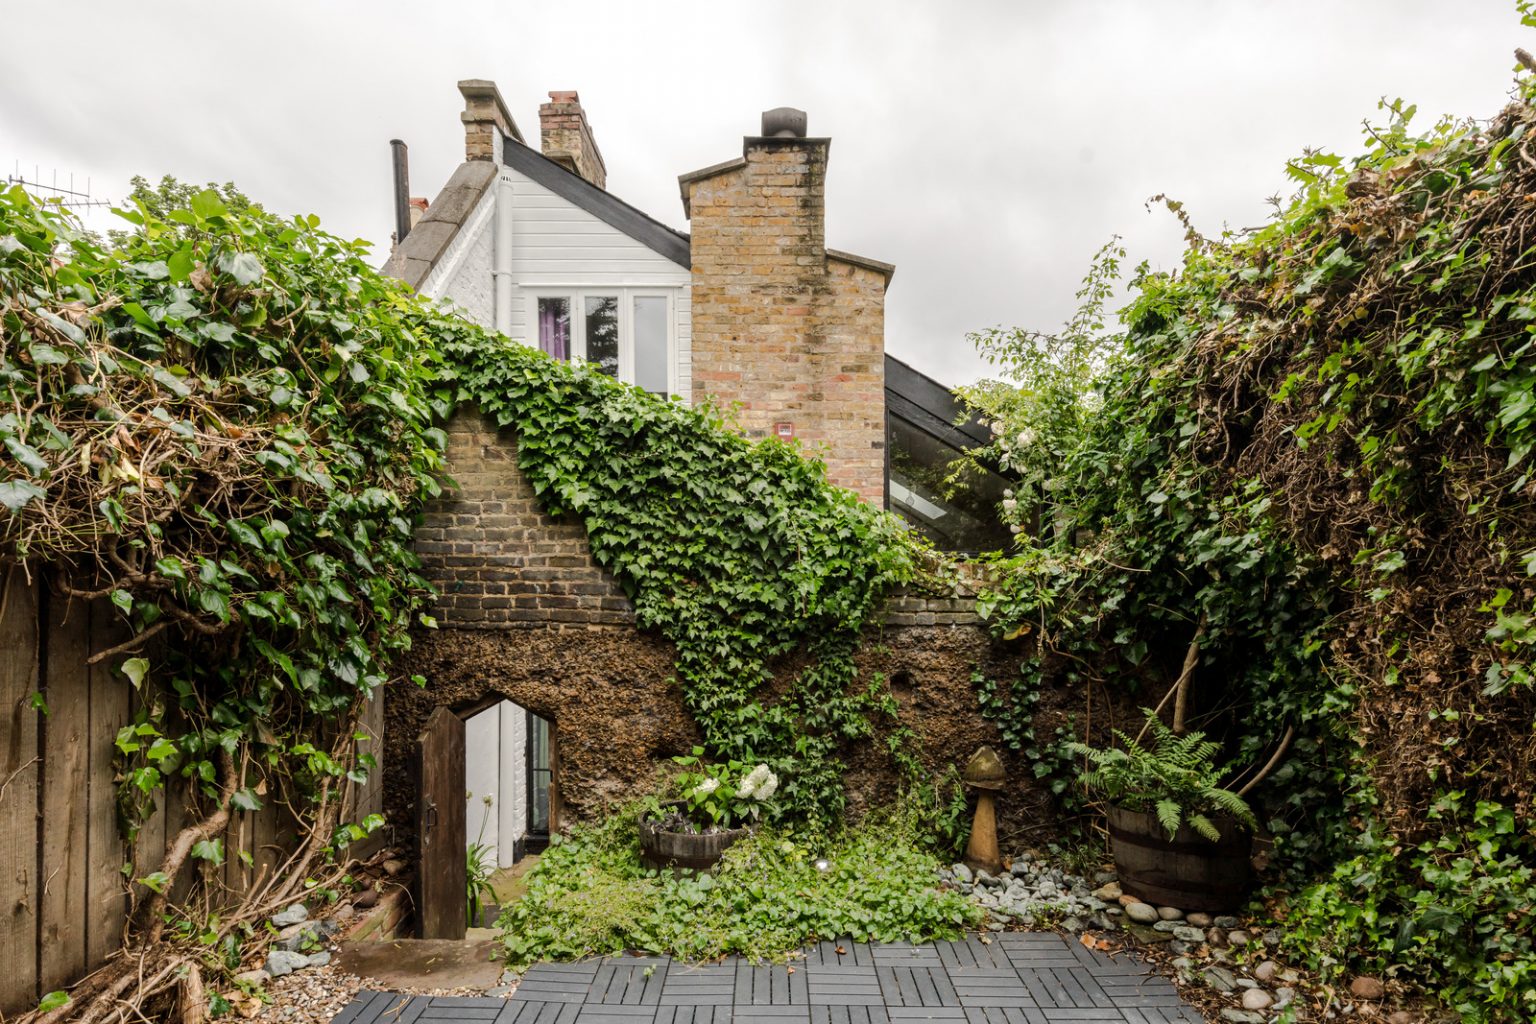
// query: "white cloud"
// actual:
[[986, 148]]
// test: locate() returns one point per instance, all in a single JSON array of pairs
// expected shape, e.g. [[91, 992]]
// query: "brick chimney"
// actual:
[[791, 331], [486, 120], [566, 137]]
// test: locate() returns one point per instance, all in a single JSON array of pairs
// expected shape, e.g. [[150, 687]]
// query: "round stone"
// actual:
[[1184, 933], [1238, 938], [1170, 913], [1266, 971], [1257, 999], [1142, 913], [1199, 920], [1366, 987]]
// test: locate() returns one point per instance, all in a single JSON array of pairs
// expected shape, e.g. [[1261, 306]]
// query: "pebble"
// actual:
[[1220, 979], [1184, 933], [393, 866], [282, 961], [1170, 913], [1284, 996], [1199, 920], [257, 977], [1266, 971], [293, 915], [320, 959], [1238, 937], [1108, 892], [1366, 987], [1167, 926], [1401, 1017], [365, 899], [962, 873], [1241, 1016], [1257, 999], [1142, 913], [1225, 921]]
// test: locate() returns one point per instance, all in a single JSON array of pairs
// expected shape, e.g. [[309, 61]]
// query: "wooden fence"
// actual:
[[63, 894]]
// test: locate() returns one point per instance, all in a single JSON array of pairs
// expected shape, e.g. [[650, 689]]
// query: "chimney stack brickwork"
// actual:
[[486, 120], [565, 137], [779, 328]]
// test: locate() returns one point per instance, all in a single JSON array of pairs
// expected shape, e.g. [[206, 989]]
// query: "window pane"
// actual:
[[555, 326], [651, 343], [603, 332]]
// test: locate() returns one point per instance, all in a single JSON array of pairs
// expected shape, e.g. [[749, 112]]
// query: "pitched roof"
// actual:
[[414, 258]]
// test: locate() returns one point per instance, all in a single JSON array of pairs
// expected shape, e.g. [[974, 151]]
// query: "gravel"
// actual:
[[315, 995]]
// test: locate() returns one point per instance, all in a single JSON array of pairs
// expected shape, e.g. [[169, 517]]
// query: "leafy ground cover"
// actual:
[[589, 894]]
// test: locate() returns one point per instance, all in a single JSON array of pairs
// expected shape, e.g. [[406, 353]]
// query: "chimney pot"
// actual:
[[784, 123]]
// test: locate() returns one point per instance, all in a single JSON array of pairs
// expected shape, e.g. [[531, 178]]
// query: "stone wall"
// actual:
[[527, 615], [787, 333]]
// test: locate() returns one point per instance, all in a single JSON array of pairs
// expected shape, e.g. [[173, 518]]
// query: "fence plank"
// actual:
[[19, 780], [107, 898], [65, 761]]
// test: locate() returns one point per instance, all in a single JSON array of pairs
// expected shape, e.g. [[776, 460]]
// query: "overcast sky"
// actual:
[[985, 148]]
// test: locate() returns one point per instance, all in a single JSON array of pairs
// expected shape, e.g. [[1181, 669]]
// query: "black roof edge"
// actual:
[[931, 407], [603, 205]]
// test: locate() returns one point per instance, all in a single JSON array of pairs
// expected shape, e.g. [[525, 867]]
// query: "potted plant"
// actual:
[[717, 804], [1179, 838]]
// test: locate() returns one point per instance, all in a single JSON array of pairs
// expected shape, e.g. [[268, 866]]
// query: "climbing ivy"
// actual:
[[738, 552]]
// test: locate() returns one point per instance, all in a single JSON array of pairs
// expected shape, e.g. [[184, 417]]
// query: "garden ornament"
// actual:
[[984, 773]]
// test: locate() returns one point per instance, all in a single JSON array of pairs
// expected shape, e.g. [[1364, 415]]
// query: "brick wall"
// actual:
[[779, 328], [500, 562]]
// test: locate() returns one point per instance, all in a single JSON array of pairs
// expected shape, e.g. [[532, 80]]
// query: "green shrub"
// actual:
[[589, 894]]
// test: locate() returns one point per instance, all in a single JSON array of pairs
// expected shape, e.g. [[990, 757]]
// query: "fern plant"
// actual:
[[1175, 777]]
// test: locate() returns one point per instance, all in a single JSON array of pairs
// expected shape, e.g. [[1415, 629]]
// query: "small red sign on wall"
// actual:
[[784, 431]]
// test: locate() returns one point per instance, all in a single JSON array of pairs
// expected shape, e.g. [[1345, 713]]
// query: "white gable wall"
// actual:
[[557, 245]]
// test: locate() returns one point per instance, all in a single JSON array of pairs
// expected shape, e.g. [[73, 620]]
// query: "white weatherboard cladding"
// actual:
[[558, 246]]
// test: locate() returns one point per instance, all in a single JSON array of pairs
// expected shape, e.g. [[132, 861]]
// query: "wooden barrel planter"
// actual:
[[1189, 871], [696, 852]]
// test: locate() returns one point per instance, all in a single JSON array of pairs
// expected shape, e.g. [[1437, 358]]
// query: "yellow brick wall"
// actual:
[[778, 328]]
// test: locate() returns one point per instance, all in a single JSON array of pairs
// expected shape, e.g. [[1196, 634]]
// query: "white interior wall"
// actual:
[[482, 778]]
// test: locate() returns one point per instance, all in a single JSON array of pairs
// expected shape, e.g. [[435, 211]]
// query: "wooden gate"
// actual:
[[441, 876]]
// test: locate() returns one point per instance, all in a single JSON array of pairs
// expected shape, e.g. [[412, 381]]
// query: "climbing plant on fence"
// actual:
[[1309, 461], [226, 423]]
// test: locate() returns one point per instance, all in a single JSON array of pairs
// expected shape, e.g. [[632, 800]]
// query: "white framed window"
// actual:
[[630, 333]]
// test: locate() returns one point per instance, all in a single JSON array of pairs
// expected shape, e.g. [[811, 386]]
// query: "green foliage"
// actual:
[[1313, 444], [740, 553], [225, 427], [1456, 908], [1176, 778], [589, 895]]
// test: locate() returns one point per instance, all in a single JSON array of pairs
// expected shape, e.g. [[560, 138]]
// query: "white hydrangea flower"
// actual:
[[1026, 436], [1008, 492], [759, 784], [1009, 504], [707, 787]]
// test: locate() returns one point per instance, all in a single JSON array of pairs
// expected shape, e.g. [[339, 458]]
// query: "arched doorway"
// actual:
[[488, 795]]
